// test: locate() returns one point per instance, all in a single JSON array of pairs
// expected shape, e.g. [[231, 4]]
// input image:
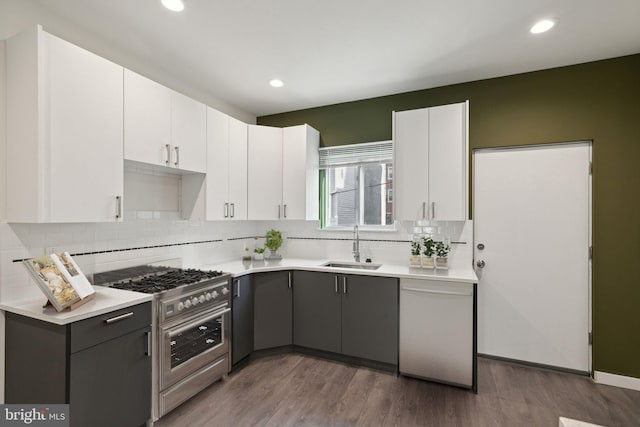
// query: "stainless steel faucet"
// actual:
[[356, 243]]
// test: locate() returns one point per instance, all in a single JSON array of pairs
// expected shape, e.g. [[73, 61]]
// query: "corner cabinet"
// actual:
[[431, 155], [163, 127], [273, 312], [94, 365], [226, 167], [64, 132], [352, 315], [283, 173]]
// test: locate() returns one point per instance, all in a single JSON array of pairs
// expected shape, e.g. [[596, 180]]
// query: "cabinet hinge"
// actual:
[[590, 338]]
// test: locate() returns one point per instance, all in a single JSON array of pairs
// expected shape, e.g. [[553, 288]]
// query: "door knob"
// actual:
[[480, 263]]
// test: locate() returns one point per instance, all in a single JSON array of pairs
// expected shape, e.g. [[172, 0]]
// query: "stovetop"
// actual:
[[153, 279]]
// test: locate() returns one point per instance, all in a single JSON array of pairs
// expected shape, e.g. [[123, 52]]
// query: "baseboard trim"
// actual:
[[631, 383]]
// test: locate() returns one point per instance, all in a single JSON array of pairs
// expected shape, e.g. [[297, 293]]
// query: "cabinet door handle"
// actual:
[[118, 207], [233, 210], [237, 295], [168, 148], [226, 210], [148, 351], [433, 291], [177, 163], [289, 280], [118, 318], [344, 284], [337, 291], [285, 211], [424, 210], [278, 211], [433, 210]]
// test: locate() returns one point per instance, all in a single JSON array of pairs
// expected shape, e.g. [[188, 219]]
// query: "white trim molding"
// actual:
[[631, 383]]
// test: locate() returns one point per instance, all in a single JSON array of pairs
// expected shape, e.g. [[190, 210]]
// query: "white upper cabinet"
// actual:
[[265, 173], [283, 173], [431, 163], [64, 132], [300, 193], [163, 127], [226, 180]]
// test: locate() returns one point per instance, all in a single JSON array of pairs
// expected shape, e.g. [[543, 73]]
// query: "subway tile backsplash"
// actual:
[[108, 246]]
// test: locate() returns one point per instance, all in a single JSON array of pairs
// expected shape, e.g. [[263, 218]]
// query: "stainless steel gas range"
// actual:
[[191, 338]]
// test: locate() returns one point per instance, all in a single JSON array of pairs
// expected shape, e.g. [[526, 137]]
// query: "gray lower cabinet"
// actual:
[[100, 366], [348, 314], [370, 318], [242, 324], [317, 305], [273, 312]]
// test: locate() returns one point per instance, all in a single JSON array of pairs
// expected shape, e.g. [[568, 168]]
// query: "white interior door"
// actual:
[[532, 215]]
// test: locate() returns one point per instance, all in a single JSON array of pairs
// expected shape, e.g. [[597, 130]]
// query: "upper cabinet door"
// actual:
[[264, 173], [64, 132], [217, 180], [411, 158], [300, 193], [448, 153], [188, 133], [238, 183], [147, 120]]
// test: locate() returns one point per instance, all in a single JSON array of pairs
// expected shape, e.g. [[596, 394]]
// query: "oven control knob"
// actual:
[[214, 294], [207, 296], [187, 303], [180, 306], [225, 291], [201, 299], [194, 301]]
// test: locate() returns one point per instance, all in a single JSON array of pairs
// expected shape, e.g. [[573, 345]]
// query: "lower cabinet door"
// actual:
[[273, 314], [110, 383], [242, 324], [316, 311], [370, 318]]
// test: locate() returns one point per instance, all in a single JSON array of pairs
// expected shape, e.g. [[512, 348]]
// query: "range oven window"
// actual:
[[196, 340]]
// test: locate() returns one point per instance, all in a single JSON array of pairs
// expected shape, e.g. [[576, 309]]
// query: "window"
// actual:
[[356, 185]]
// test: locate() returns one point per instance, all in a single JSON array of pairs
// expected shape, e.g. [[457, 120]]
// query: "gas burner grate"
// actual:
[[165, 280]]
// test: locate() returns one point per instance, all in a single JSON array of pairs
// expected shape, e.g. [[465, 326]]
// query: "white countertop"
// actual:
[[237, 268], [105, 301]]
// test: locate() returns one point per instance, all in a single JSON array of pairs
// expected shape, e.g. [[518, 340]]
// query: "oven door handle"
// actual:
[[172, 333]]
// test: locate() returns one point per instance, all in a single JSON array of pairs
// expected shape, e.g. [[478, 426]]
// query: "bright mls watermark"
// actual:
[[34, 415]]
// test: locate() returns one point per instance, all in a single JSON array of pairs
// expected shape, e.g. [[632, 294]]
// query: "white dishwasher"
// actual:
[[437, 325]]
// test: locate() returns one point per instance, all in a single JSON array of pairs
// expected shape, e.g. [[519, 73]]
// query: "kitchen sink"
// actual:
[[354, 265]]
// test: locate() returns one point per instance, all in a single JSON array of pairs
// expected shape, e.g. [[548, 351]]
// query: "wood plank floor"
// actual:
[[301, 390]]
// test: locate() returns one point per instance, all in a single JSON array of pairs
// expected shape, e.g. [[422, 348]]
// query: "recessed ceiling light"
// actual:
[[542, 26], [276, 83], [174, 5]]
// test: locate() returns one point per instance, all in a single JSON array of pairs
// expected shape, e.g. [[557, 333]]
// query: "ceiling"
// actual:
[[332, 51]]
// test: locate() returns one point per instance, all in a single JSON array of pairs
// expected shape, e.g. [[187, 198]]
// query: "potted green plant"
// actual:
[[428, 251], [258, 254], [414, 259], [273, 241], [442, 255]]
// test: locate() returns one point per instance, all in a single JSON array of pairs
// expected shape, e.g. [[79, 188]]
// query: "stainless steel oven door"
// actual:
[[189, 345]]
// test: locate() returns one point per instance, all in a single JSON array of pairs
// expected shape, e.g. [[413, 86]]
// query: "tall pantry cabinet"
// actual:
[[64, 132], [431, 152]]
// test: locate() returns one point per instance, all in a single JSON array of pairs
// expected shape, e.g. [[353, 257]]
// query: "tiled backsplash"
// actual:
[[196, 242]]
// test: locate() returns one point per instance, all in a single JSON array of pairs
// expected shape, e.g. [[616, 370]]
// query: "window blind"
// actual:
[[344, 155]]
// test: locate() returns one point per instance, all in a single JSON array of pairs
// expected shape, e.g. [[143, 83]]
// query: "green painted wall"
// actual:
[[597, 101]]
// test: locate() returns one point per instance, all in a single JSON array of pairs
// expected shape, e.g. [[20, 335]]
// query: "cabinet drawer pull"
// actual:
[[168, 148], [118, 318], [433, 291]]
